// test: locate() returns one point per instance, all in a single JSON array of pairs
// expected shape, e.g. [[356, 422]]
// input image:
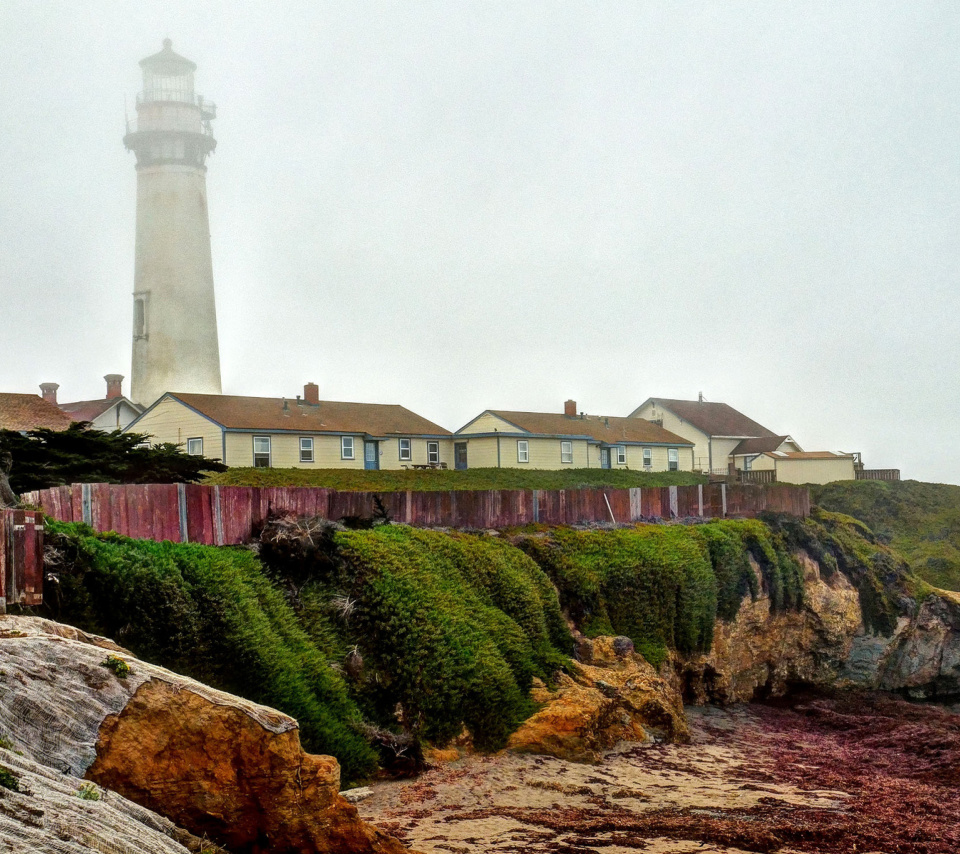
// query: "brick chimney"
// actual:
[[570, 409], [114, 386], [48, 391], [311, 394]]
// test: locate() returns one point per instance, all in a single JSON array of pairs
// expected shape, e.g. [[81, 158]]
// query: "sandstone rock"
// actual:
[[214, 763], [761, 653], [47, 816], [618, 698]]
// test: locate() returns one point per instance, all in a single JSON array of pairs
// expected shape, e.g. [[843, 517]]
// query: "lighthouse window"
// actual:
[[140, 317]]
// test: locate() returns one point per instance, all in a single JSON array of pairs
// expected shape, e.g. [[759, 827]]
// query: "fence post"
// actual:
[[217, 517], [182, 511], [674, 505], [723, 498], [700, 499], [86, 504], [536, 506]]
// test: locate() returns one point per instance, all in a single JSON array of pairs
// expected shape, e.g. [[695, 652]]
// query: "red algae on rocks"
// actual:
[[833, 775]]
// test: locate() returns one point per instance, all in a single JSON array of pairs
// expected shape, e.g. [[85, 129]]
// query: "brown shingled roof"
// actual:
[[30, 412], [759, 445], [87, 410], [267, 413], [714, 419], [609, 430]]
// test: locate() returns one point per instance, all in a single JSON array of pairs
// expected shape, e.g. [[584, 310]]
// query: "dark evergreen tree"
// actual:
[[37, 459]]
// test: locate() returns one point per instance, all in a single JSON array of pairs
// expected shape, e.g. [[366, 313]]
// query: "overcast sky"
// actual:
[[462, 206]]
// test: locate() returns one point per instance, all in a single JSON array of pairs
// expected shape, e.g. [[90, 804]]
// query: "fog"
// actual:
[[462, 206]]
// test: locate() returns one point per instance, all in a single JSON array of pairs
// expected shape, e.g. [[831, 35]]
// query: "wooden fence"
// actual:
[[21, 558], [228, 515], [878, 474]]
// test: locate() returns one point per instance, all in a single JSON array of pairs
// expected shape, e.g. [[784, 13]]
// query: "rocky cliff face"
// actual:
[[825, 643], [220, 766]]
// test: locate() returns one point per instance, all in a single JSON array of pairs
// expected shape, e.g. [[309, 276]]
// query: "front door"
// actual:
[[604, 458], [371, 455], [460, 455]]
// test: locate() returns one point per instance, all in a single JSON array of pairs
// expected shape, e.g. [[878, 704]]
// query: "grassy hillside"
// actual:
[[920, 520], [438, 479]]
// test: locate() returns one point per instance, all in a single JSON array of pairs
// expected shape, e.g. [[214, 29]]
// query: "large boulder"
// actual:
[[615, 697], [213, 763]]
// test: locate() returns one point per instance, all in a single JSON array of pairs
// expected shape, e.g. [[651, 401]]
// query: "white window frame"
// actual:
[[406, 453], [306, 449], [673, 459], [621, 455], [269, 451], [433, 453], [648, 458], [198, 452], [348, 448], [566, 451], [523, 451]]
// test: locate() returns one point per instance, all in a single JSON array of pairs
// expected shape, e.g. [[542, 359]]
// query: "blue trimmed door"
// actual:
[[371, 454], [460, 455], [604, 458]]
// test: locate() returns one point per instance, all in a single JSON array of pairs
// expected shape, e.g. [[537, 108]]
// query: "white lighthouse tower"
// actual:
[[174, 315]]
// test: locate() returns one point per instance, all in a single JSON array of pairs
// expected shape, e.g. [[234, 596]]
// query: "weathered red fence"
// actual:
[[226, 515], [21, 558]]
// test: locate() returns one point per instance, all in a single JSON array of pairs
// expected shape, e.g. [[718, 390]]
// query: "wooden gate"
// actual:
[[21, 558]]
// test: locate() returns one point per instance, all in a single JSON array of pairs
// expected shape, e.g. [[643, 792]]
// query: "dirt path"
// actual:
[[882, 776]]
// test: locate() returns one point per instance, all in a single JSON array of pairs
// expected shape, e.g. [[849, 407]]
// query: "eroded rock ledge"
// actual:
[[215, 764]]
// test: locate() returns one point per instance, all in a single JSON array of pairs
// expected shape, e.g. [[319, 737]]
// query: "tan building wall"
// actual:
[[701, 442], [543, 453], [285, 451], [488, 423], [760, 463], [660, 458], [815, 471], [171, 421]]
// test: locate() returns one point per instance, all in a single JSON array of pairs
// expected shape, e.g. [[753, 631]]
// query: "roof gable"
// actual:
[[713, 419]]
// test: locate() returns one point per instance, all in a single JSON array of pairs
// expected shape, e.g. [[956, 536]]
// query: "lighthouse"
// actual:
[[174, 313]]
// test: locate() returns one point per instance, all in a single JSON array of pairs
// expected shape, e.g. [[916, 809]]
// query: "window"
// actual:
[[648, 458], [306, 449], [433, 453], [673, 459], [140, 318], [346, 447], [523, 451], [405, 450], [261, 452], [566, 452], [621, 455], [195, 447]]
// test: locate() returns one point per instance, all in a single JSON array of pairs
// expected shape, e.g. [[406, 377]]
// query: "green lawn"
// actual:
[[442, 480], [920, 520]]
